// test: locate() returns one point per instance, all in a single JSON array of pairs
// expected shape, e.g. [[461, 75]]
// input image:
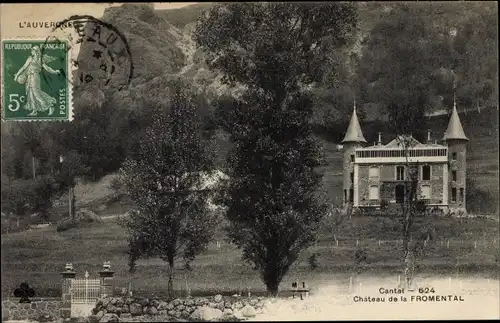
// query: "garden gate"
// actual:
[[84, 294]]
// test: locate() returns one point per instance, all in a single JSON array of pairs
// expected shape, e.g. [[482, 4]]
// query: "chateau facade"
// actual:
[[377, 173]]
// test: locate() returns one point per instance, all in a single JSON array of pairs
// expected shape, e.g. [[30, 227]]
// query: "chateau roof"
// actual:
[[354, 133], [454, 130], [396, 144]]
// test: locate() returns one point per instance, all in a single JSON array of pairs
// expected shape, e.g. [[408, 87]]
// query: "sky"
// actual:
[[12, 16]]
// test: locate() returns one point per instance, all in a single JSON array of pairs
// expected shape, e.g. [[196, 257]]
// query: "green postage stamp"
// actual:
[[35, 84]]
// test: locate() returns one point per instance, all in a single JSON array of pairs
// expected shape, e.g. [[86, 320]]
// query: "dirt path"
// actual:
[[481, 300]]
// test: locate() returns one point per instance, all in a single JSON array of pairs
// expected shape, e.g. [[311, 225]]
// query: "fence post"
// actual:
[[106, 276], [67, 276]]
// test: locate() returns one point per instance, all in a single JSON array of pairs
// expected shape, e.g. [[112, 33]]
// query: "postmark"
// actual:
[[100, 56], [34, 86]]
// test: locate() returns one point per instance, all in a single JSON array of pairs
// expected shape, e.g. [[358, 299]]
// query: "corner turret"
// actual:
[[454, 130], [353, 139], [354, 133], [455, 139]]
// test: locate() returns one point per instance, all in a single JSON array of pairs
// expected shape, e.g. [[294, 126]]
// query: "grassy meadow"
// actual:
[[38, 256]]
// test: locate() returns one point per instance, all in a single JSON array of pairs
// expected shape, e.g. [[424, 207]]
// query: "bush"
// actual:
[[384, 204], [23, 197], [421, 206], [313, 261], [66, 225], [360, 259], [82, 217]]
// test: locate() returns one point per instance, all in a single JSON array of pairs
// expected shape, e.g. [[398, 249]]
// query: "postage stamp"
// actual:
[[34, 82]]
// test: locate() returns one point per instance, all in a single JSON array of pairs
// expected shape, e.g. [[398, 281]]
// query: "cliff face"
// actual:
[[160, 51]]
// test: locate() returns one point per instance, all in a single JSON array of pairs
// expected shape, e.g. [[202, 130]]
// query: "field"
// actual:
[[459, 247]]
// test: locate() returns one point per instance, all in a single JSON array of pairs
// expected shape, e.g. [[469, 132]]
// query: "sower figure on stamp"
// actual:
[[29, 74]]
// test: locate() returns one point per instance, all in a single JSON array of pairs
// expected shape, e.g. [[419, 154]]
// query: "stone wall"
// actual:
[[218, 307], [37, 310]]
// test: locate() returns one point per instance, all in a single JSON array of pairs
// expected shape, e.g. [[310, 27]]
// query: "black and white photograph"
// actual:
[[249, 161]]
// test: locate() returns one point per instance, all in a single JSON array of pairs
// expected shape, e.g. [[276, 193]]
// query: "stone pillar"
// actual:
[[67, 276], [106, 276]]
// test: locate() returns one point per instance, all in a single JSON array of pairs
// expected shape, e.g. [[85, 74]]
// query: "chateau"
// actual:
[[377, 173]]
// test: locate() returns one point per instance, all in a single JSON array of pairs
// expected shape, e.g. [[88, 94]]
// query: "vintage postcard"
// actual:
[[260, 161]]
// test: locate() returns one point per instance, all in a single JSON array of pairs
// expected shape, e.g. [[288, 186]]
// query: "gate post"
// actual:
[[67, 276], [106, 275]]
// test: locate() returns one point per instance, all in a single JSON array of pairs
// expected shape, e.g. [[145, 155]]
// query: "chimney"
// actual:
[[380, 139], [429, 140]]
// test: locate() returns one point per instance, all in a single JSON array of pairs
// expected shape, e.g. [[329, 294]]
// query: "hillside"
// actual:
[[482, 157], [163, 48]]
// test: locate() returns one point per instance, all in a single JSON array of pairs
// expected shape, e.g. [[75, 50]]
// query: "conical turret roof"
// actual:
[[354, 133], [454, 130]]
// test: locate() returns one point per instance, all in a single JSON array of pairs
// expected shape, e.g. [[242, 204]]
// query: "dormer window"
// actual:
[[453, 156]]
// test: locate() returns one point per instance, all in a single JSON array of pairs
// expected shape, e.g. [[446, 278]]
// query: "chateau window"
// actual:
[[400, 173], [426, 192], [426, 173], [462, 197], [453, 156], [352, 158], [374, 192], [345, 195], [374, 173], [352, 178], [454, 175], [453, 194]]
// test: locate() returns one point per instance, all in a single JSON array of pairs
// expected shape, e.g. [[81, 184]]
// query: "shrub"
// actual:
[[420, 206], [313, 261], [360, 257], [82, 217], [384, 204], [65, 225], [23, 197]]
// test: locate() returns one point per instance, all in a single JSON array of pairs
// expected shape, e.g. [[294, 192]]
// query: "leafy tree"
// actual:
[[400, 58], [476, 61], [92, 134], [412, 206], [479, 200], [164, 176], [28, 196], [277, 52]]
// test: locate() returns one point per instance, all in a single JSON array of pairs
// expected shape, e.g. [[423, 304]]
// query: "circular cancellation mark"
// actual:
[[100, 55]]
